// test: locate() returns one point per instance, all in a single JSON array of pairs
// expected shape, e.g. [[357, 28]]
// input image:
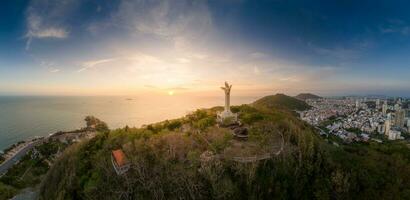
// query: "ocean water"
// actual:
[[25, 117]]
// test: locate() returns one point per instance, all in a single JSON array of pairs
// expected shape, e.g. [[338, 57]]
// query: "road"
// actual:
[[13, 160]]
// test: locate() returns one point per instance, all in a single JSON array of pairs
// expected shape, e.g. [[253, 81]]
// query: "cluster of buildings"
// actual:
[[73, 136], [323, 109], [359, 119]]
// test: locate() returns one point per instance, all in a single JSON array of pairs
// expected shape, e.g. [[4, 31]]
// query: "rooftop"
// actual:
[[119, 157]]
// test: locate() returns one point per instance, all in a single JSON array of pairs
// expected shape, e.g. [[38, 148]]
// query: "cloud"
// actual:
[[257, 55], [256, 70], [55, 70], [395, 26], [340, 53], [182, 23], [135, 62], [45, 19], [94, 63], [49, 33], [183, 60], [48, 65]]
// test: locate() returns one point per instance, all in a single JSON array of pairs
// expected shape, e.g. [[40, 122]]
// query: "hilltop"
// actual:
[[281, 101], [305, 96], [193, 158]]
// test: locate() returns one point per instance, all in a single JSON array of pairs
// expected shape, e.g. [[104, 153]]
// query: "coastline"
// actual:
[[27, 161], [12, 154]]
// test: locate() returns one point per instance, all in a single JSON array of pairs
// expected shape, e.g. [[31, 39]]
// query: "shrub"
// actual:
[[205, 123], [249, 118]]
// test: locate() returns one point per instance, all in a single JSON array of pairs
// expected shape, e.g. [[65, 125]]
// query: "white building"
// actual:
[[397, 106], [394, 135]]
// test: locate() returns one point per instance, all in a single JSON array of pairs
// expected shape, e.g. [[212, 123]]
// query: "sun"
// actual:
[[170, 93]]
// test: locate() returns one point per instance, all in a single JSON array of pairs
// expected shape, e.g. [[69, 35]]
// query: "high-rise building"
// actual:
[[397, 106], [377, 103], [399, 118], [384, 109], [387, 127]]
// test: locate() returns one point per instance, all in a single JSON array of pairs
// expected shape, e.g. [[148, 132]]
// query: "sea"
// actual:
[[25, 117]]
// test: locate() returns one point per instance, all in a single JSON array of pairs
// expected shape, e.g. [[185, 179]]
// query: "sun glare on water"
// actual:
[[170, 93]]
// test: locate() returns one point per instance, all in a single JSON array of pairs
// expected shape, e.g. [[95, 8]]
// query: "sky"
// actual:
[[136, 47]]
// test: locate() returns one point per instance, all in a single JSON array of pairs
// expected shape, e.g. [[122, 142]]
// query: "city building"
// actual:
[[384, 108], [400, 118], [397, 106], [377, 104], [120, 162], [380, 129], [394, 135], [341, 116], [387, 125]]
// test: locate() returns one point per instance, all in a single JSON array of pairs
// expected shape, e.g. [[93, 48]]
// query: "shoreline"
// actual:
[[33, 138], [12, 154]]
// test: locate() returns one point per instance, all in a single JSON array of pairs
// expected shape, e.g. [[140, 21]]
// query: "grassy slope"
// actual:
[[281, 101], [166, 164]]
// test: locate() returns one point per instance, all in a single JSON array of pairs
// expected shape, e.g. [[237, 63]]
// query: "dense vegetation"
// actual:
[[169, 161], [281, 101], [305, 96]]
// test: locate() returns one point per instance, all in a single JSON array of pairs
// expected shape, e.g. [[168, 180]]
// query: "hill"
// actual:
[[281, 101], [305, 96], [192, 158]]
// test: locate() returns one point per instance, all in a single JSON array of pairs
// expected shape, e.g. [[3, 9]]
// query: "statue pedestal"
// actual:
[[227, 117]]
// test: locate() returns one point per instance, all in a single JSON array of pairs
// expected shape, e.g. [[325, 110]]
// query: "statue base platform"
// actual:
[[227, 118]]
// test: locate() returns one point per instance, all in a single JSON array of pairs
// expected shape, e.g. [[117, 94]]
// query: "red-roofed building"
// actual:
[[119, 161]]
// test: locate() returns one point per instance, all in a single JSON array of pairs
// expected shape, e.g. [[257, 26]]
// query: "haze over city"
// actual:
[[126, 47]]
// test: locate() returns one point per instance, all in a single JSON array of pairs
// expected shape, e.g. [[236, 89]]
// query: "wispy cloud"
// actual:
[[183, 60], [44, 20], [257, 55], [395, 26], [181, 23], [93, 64], [54, 70], [49, 66], [51, 32], [341, 53]]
